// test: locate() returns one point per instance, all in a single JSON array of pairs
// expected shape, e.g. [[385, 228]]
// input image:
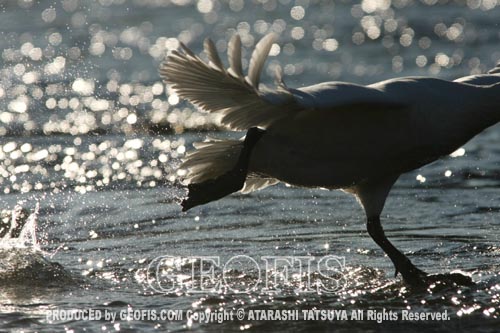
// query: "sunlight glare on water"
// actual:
[[90, 142]]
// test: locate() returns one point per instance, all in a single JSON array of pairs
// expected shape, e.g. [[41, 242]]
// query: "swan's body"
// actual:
[[338, 147], [335, 135]]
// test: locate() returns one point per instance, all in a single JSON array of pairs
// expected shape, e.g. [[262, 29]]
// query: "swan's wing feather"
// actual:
[[255, 184], [259, 56], [495, 70], [242, 103], [214, 89], [480, 80], [211, 51], [234, 57]]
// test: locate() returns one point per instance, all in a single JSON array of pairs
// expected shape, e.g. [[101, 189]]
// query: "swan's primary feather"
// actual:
[[259, 56], [234, 57], [211, 51]]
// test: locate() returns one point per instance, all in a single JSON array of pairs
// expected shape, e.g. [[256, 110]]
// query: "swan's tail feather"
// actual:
[[218, 168]]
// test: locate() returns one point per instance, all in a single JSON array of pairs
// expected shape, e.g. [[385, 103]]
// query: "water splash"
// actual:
[[22, 260], [18, 228]]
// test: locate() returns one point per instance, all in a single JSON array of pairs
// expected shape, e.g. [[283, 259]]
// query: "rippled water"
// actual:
[[90, 140]]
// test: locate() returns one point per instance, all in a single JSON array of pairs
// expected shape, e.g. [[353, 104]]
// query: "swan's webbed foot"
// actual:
[[412, 275], [458, 279], [415, 277]]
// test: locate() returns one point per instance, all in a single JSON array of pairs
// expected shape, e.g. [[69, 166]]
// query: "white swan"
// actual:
[[333, 135]]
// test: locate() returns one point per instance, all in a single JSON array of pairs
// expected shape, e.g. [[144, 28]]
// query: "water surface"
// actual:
[[90, 141]]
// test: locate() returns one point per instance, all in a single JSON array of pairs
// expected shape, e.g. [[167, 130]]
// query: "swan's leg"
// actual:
[[372, 197], [403, 265], [411, 274]]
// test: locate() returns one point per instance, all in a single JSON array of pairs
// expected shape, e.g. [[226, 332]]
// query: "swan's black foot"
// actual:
[[458, 279], [420, 279], [412, 275]]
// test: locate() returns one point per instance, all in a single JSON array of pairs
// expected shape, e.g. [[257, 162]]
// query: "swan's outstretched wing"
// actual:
[[215, 89]]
